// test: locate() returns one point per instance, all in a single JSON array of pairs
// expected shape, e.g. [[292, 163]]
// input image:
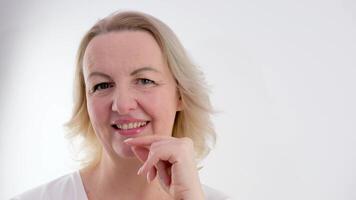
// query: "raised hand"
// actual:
[[172, 159]]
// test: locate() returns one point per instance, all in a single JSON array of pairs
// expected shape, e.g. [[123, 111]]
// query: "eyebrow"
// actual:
[[139, 70], [136, 71], [98, 74]]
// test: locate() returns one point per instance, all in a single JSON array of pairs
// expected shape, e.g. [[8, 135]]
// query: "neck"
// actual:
[[118, 178]]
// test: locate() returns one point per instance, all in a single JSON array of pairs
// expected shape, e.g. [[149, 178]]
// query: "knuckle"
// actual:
[[186, 144], [187, 141], [152, 153], [153, 146]]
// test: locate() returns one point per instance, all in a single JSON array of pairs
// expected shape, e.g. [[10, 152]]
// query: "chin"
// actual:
[[124, 151]]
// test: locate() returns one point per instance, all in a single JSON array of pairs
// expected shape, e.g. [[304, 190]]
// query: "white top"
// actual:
[[71, 187]]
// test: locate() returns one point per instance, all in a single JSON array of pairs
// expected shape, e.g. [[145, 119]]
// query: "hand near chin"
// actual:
[[172, 160]]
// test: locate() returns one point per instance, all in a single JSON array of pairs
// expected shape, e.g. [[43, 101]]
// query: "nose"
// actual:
[[124, 101]]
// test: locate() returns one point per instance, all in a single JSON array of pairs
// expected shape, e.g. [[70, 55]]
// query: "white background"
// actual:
[[282, 76]]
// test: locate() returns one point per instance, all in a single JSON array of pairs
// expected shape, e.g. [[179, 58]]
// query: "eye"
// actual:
[[102, 86], [145, 82]]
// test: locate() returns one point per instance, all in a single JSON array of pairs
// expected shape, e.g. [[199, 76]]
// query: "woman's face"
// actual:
[[130, 90]]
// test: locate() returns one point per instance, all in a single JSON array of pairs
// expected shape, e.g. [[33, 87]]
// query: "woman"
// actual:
[[142, 113]]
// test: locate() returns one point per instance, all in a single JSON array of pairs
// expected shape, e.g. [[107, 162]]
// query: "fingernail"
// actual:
[[148, 177], [139, 171], [128, 140]]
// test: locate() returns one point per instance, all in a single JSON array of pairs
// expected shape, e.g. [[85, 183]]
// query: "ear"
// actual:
[[179, 102]]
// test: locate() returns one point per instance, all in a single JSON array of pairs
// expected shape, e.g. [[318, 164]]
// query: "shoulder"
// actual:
[[64, 187], [213, 194]]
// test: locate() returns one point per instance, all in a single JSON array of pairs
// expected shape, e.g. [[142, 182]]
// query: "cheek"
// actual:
[[162, 109], [96, 110]]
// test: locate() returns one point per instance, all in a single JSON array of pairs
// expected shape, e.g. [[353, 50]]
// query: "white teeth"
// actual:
[[131, 125], [124, 126]]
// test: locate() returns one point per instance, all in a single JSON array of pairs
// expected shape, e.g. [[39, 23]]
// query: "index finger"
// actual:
[[145, 140]]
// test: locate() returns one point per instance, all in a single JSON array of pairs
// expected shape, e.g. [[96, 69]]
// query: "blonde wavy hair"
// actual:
[[193, 121]]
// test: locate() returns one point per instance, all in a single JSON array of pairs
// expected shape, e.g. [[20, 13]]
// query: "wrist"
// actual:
[[195, 194]]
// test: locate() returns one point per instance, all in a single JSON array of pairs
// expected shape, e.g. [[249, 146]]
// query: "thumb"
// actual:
[[140, 152]]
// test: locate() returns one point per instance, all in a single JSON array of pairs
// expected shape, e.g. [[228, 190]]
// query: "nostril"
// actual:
[[124, 103]]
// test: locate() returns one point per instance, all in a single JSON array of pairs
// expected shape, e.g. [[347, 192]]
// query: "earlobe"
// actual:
[[179, 104], [179, 100]]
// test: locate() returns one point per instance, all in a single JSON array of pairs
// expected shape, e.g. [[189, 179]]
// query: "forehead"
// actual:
[[123, 49]]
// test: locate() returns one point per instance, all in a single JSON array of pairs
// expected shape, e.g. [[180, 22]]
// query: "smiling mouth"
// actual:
[[131, 125]]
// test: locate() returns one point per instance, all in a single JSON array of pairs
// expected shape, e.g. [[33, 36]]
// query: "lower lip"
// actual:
[[131, 132]]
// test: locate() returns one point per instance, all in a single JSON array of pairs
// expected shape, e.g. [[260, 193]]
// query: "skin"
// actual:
[[126, 77]]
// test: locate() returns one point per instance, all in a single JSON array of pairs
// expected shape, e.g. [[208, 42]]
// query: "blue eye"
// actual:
[[101, 86], [145, 81]]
